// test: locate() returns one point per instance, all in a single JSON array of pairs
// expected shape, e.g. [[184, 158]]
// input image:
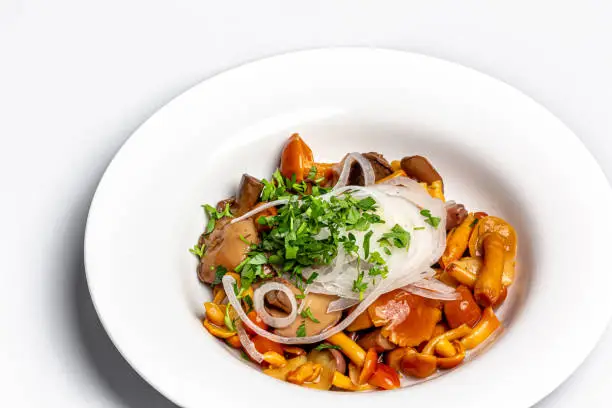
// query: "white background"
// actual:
[[77, 77]]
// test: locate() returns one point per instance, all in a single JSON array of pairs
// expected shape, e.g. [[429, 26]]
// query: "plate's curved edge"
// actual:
[[584, 351]]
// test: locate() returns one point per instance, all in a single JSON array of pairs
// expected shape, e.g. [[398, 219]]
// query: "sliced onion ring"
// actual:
[[228, 282], [341, 304], [432, 289], [260, 307], [247, 344], [368, 171], [259, 209]]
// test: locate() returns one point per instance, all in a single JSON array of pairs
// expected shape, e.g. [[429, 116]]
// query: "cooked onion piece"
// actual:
[[259, 303]]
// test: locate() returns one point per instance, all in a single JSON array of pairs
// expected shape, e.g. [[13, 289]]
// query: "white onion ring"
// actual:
[[368, 171], [260, 307], [415, 290], [259, 209], [247, 344], [432, 289], [341, 304], [228, 282]]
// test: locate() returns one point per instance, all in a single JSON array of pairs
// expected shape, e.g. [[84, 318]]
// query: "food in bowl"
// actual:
[[352, 275]]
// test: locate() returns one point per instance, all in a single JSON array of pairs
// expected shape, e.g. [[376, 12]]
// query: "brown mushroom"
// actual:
[[375, 340], [248, 193], [420, 169], [381, 167], [455, 214], [225, 247], [317, 304]]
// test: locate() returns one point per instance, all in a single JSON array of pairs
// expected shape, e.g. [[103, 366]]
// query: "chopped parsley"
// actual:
[[312, 173], [366, 244], [306, 232], [429, 219], [311, 278], [247, 299], [219, 272], [398, 237], [283, 187], [214, 215], [229, 323], [376, 259], [301, 330], [418, 228], [307, 314], [324, 346], [198, 251], [359, 285], [473, 224]]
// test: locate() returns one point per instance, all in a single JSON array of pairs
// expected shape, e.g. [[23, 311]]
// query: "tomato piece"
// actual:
[[369, 366], [263, 345], [385, 377], [254, 317], [296, 158], [462, 310]]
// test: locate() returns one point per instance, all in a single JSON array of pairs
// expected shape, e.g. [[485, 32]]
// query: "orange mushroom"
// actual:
[[457, 241], [463, 310], [418, 365], [407, 319], [485, 327]]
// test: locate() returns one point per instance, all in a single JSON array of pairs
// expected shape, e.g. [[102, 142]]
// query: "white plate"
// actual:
[[497, 149]]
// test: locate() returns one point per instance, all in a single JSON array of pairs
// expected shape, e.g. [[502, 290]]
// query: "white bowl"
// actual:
[[497, 150]]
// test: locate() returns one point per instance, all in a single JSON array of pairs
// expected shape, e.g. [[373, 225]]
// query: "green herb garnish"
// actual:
[[220, 271], [307, 314], [359, 285], [198, 251], [229, 323], [398, 237], [312, 173], [301, 330], [324, 346], [214, 215], [366, 244], [429, 219]]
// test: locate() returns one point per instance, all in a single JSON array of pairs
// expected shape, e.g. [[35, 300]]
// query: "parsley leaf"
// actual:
[[367, 203], [311, 278], [247, 299], [307, 313], [214, 215], [376, 259], [429, 219], [219, 272], [398, 236], [301, 330], [198, 251], [229, 323], [366, 244], [359, 285], [324, 346], [312, 173]]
